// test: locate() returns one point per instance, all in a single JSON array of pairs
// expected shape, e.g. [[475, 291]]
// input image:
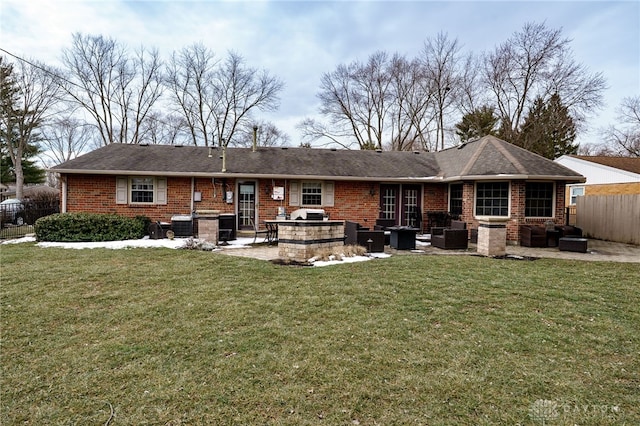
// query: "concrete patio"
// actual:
[[598, 250]]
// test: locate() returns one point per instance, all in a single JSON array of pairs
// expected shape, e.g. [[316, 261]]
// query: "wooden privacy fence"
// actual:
[[610, 217]]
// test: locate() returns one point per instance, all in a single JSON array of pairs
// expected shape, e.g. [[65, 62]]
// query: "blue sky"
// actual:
[[299, 41]]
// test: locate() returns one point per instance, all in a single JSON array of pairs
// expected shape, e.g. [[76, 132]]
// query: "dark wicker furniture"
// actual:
[[533, 236], [454, 238], [573, 244], [355, 234]]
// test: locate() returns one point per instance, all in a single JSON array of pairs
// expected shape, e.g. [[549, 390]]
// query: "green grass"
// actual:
[[176, 337]]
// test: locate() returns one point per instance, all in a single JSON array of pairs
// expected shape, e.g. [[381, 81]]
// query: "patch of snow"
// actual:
[[351, 259], [145, 242], [20, 240]]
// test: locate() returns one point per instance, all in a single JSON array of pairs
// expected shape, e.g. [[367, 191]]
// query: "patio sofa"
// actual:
[[356, 234], [455, 237]]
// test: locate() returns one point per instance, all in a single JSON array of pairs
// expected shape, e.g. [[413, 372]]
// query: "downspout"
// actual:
[[193, 188], [63, 190]]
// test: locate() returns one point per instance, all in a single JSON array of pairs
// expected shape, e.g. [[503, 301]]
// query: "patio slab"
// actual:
[[603, 251]]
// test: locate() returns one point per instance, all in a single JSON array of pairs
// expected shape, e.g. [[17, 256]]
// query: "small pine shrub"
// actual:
[[84, 227]]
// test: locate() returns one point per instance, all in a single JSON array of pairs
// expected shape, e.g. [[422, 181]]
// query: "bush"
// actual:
[[83, 227]]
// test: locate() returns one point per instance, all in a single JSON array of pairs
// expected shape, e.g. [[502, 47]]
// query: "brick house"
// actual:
[[480, 179]]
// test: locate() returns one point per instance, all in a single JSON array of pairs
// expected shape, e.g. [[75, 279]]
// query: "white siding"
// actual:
[[597, 173]]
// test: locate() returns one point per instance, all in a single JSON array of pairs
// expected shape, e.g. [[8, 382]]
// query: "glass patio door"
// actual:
[[402, 203], [389, 202], [411, 202], [246, 205]]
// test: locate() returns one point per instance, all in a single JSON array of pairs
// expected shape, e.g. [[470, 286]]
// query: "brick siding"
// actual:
[[354, 201]]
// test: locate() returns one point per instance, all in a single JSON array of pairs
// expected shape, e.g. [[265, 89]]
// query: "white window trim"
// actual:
[[124, 190], [571, 195], [327, 193], [475, 200], [153, 191]]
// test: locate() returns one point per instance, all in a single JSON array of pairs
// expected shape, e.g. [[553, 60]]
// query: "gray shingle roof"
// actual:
[[490, 156], [484, 158]]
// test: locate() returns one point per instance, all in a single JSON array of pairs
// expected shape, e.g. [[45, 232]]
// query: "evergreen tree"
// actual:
[[32, 173], [27, 92], [478, 123], [548, 129]]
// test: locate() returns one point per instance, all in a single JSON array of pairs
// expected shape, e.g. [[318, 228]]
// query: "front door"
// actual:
[[246, 205]]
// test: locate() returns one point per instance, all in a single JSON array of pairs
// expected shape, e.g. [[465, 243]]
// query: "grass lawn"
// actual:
[[177, 337]]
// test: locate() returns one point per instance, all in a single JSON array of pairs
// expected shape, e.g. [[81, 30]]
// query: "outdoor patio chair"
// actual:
[[383, 225], [451, 238], [362, 236], [533, 236], [258, 231]]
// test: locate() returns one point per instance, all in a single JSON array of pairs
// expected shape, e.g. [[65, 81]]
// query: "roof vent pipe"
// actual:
[[255, 138], [224, 156]]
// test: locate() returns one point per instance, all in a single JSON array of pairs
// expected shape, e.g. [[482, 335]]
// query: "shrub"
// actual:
[[82, 227], [145, 221]]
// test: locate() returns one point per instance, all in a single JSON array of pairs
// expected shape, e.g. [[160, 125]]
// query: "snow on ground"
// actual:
[[177, 243], [145, 242]]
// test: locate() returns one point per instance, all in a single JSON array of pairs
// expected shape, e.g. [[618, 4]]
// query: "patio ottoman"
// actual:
[[573, 244]]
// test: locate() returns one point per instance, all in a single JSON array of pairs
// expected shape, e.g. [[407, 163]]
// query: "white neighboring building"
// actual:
[[605, 175]]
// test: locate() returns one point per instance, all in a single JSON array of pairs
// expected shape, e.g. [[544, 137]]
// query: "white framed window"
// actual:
[[492, 199], [576, 191], [141, 190], [313, 193], [539, 199]]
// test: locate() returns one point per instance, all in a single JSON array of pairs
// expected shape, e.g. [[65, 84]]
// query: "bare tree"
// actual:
[[440, 59], [217, 98], [356, 99], [117, 89], [238, 92], [28, 93], [189, 77], [64, 138], [624, 139], [411, 120], [537, 62], [266, 133], [165, 129]]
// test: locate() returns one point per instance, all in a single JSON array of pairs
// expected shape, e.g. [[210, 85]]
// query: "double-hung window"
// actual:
[[539, 199], [492, 199], [311, 193], [142, 190], [455, 198]]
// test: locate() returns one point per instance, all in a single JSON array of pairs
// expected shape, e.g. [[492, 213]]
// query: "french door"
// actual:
[[401, 203]]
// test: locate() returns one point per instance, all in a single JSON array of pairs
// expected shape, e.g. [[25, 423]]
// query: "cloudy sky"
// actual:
[[298, 41]]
